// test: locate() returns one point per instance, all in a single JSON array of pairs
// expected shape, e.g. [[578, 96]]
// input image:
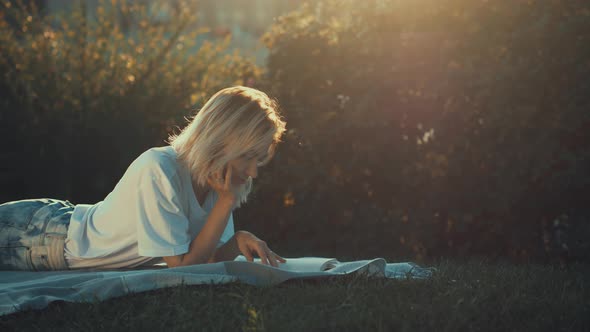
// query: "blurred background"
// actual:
[[416, 129]]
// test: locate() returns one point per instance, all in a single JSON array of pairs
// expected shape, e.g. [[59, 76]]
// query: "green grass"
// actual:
[[471, 296]]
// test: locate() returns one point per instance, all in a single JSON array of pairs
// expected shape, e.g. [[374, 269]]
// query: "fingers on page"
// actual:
[[272, 258], [268, 255], [280, 259], [262, 255]]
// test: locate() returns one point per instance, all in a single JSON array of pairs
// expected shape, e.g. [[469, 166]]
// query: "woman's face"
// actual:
[[246, 166]]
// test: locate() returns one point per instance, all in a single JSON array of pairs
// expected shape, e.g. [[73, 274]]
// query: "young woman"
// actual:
[[173, 204]]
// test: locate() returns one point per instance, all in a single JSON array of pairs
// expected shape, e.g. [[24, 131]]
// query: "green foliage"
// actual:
[[431, 127], [86, 90], [419, 128]]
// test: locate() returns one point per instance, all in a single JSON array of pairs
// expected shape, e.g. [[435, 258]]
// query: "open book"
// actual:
[[304, 264]]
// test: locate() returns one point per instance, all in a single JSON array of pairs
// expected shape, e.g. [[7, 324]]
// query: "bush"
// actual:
[[87, 90], [430, 127]]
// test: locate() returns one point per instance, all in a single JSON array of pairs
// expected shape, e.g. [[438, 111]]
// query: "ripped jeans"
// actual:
[[33, 233]]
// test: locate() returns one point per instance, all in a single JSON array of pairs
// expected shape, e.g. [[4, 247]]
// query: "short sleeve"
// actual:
[[162, 228]]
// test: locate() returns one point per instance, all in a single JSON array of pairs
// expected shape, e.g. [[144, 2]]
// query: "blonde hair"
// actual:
[[234, 121]]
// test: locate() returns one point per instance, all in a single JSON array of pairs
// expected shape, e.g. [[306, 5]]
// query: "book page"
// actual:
[[303, 264]]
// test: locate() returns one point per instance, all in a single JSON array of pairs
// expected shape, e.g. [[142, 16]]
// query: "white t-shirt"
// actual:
[[152, 212]]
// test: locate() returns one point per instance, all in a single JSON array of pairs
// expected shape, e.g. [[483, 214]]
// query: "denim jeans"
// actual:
[[33, 233]]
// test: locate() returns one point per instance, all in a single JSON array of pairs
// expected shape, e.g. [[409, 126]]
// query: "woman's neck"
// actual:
[[200, 192]]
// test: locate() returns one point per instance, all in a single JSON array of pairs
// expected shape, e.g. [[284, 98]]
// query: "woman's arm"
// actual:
[[203, 245]]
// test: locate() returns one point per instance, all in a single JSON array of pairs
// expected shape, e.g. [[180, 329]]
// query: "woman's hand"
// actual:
[[222, 184], [249, 244]]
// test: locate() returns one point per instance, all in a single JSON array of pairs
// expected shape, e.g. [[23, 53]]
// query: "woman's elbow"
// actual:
[[182, 260], [174, 261]]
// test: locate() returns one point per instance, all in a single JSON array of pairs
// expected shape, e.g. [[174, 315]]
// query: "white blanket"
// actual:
[[35, 290]]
